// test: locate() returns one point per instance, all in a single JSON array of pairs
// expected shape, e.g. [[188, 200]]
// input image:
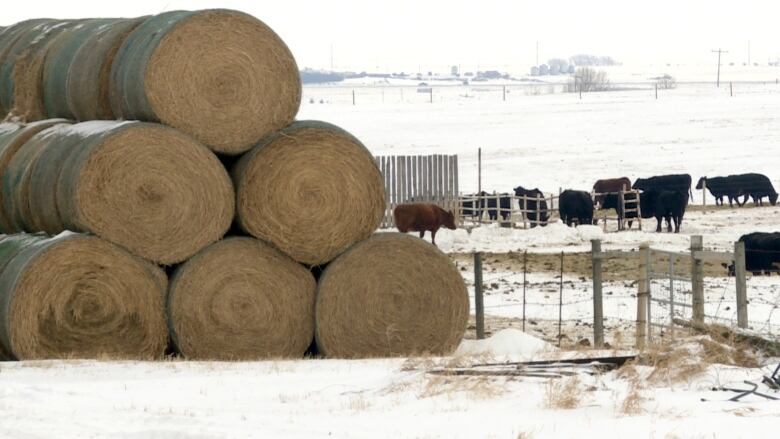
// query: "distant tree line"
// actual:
[[584, 59]]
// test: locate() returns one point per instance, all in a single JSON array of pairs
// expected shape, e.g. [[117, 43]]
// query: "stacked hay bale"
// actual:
[[77, 296], [308, 195], [221, 76]]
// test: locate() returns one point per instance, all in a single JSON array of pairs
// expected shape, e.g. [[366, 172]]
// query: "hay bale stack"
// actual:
[[391, 295], [76, 76], [222, 76], [24, 69], [77, 296], [149, 188], [9, 50], [12, 137], [312, 190], [241, 299]]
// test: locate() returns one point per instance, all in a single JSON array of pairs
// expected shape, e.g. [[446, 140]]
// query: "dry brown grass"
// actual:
[[563, 393], [685, 359], [632, 403], [479, 387]]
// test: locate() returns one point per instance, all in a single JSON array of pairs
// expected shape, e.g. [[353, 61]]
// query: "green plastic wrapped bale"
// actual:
[[77, 296], [13, 136]]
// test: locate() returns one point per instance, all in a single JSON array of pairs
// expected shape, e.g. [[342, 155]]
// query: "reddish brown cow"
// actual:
[[422, 217], [610, 185]]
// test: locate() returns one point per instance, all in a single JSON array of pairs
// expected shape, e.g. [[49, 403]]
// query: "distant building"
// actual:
[[534, 71], [454, 71], [544, 70]]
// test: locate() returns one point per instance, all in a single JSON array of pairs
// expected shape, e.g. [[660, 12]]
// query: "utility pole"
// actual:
[[537, 53], [719, 51]]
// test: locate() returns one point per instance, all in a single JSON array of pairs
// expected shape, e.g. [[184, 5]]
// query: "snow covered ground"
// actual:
[[549, 141], [372, 398], [558, 141]]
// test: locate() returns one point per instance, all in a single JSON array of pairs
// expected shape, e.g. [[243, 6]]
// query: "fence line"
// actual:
[[419, 178]]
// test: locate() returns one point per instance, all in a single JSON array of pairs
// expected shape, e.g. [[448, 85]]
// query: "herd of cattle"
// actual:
[[663, 197]]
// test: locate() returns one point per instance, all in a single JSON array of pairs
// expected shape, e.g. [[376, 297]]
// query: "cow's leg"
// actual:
[[668, 223], [422, 233], [433, 237], [660, 220], [677, 221]]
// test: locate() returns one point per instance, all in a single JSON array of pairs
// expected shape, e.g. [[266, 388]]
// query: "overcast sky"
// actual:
[[486, 34]]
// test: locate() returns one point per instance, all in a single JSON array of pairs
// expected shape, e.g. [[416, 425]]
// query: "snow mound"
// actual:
[[506, 343]]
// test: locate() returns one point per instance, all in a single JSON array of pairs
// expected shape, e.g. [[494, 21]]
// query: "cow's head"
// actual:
[[773, 199], [639, 183], [448, 220], [700, 184], [519, 191]]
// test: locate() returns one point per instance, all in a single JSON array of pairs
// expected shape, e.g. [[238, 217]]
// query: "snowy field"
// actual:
[[558, 141], [549, 141], [376, 398]]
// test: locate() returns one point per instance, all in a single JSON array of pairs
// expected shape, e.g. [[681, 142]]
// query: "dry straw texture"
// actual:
[[149, 188], [391, 295], [12, 137], [312, 190], [222, 76], [77, 296], [241, 299], [27, 75], [87, 88], [13, 41]]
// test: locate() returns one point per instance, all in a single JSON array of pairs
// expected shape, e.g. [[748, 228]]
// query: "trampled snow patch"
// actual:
[[507, 343]]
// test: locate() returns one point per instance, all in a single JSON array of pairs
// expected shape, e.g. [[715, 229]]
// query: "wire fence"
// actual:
[[426, 92], [560, 307]]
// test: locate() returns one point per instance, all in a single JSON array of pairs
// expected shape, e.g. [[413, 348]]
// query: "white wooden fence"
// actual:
[[419, 178]]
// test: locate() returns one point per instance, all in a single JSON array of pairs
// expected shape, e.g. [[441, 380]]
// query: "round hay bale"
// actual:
[[12, 137], [77, 296], [391, 295], [312, 190], [58, 61], [87, 87], [26, 82], [241, 299], [222, 76], [8, 53], [149, 188]]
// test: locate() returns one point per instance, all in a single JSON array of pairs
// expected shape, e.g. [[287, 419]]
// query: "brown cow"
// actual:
[[422, 217], [610, 185]]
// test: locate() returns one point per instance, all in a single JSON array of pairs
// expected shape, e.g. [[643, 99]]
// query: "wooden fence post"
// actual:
[[478, 304], [598, 308], [353, 97], [643, 295], [739, 271], [697, 280]]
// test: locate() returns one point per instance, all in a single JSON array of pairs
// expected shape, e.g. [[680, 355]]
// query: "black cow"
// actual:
[[663, 204], [672, 182], [470, 207], [536, 212], [756, 186], [575, 205], [612, 201], [504, 203], [762, 253], [721, 187]]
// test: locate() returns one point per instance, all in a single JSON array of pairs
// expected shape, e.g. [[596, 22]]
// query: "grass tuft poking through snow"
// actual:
[[563, 393]]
